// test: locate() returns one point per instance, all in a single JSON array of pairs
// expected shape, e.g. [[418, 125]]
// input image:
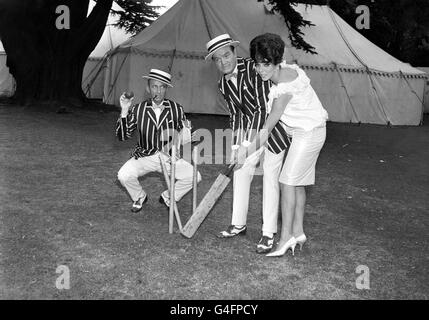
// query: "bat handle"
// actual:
[[229, 170]]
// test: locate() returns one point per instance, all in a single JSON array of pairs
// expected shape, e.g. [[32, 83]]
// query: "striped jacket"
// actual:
[[247, 106], [153, 135]]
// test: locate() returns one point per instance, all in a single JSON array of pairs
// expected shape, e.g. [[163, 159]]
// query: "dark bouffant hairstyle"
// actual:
[[268, 47]]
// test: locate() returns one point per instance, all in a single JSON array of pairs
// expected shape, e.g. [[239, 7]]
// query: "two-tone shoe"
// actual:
[[165, 201], [138, 205], [265, 244], [232, 231]]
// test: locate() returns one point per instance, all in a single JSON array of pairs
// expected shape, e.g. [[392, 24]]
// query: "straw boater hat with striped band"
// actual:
[[159, 75], [219, 42]]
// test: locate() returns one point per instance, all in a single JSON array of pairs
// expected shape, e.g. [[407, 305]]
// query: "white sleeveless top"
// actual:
[[304, 110]]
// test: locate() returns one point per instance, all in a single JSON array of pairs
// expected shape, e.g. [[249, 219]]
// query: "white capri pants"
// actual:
[[299, 168]]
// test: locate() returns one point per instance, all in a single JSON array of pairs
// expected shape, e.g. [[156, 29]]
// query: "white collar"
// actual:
[[155, 105]]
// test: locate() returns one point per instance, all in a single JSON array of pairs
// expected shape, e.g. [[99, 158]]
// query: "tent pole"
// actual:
[[106, 78], [344, 38], [368, 71], [99, 65], [209, 29], [117, 76], [96, 66], [413, 91], [170, 65], [347, 93]]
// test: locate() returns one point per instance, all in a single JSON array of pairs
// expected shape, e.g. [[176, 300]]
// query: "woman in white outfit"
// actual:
[[292, 101]]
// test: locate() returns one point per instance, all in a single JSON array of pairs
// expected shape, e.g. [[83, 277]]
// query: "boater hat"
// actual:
[[219, 42], [159, 75]]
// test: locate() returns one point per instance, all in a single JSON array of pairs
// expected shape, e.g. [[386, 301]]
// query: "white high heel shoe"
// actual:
[[301, 240], [291, 243]]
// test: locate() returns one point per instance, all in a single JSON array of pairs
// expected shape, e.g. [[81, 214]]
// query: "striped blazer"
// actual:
[[247, 106], [153, 135]]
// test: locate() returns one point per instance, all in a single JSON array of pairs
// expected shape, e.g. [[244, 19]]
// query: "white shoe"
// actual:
[[138, 205], [301, 240], [233, 231], [165, 201], [291, 243]]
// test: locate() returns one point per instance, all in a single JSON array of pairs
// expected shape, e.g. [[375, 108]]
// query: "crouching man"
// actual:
[[160, 123]]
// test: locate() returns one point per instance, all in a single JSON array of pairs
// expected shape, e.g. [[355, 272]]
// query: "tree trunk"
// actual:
[[46, 62]]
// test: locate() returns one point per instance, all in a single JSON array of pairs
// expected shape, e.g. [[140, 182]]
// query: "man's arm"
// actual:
[[236, 117], [260, 92], [279, 106], [185, 131], [179, 134], [236, 123], [127, 122]]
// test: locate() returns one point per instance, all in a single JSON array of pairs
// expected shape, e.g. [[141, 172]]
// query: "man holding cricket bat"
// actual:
[[246, 95], [160, 123]]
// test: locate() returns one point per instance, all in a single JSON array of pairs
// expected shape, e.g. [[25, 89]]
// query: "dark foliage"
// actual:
[[399, 27], [46, 61], [136, 15], [295, 22]]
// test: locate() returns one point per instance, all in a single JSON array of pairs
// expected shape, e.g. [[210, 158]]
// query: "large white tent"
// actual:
[[355, 80]]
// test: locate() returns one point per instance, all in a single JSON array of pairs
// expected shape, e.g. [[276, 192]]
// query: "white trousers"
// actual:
[[271, 189], [133, 169]]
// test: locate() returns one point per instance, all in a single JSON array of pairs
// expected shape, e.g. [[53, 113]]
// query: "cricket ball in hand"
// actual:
[[129, 95]]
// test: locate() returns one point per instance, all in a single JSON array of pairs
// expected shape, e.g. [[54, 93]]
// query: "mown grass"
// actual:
[[62, 205]]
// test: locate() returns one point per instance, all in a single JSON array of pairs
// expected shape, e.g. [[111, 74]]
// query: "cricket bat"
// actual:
[[208, 202]]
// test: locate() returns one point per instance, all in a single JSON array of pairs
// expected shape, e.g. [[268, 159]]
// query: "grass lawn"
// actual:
[[62, 205]]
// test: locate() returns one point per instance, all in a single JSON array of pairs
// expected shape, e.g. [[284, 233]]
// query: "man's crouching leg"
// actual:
[[184, 176], [128, 176]]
